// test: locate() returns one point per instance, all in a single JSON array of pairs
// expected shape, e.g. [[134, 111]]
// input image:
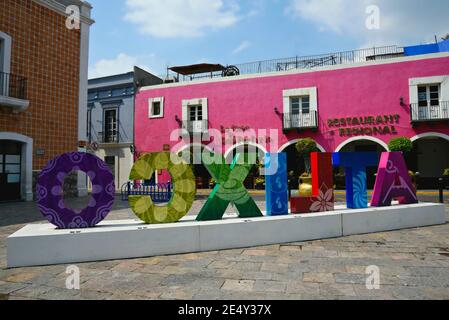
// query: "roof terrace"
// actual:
[[203, 71]]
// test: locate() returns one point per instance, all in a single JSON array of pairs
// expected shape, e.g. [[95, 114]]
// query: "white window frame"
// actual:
[[5, 55], [430, 112], [414, 83], [186, 104], [301, 104], [311, 92], [428, 99], [151, 102]]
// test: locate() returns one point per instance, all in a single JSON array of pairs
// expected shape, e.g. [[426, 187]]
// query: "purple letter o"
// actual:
[[50, 195]]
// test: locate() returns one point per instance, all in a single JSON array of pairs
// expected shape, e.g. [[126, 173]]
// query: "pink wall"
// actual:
[[359, 91]]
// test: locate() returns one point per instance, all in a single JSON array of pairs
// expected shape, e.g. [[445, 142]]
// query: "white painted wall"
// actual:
[[83, 89]]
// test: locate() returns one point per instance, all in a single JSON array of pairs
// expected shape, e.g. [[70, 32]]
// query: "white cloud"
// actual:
[[242, 47], [123, 63], [401, 21], [180, 18]]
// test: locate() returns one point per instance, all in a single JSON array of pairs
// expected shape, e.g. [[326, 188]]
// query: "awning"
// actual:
[[197, 68]]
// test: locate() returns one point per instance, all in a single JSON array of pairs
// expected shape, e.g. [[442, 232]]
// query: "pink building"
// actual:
[[352, 105]]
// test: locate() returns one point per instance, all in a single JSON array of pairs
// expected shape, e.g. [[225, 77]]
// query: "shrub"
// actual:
[[306, 146], [400, 144]]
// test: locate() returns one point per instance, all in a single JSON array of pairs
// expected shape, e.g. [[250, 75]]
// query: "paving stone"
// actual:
[[238, 285], [316, 277], [303, 288], [221, 264], [270, 286], [7, 288], [177, 293], [274, 267], [257, 275], [336, 290]]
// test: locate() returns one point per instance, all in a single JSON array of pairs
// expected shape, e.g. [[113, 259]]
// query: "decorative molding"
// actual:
[[430, 135], [443, 81], [60, 8], [195, 102], [17, 105]]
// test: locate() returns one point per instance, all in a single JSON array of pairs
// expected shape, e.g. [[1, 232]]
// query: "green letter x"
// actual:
[[229, 188]]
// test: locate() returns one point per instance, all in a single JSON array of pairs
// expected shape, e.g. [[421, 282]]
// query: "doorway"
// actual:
[[10, 170]]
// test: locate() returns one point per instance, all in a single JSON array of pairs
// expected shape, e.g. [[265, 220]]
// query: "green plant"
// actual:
[[446, 172], [305, 147], [401, 144]]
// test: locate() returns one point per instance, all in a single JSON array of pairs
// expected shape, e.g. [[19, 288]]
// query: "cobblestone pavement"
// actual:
[[414, 264]]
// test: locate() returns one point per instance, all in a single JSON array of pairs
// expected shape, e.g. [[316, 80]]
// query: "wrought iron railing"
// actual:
[[13, 86], [308, 62], [159, 193], [107, 138], [301, 121], [429, 113], [199, 126]]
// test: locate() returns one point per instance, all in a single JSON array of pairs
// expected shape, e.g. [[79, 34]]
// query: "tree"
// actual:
[[401, 144], [305, 147]]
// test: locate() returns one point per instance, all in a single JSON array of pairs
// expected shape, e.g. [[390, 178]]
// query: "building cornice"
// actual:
[[61, 8], [299, 71]]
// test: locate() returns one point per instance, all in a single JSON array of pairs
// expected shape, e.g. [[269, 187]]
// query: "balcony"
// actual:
[[196, 127], [300, 122], [436, 113], [107, 138], [13, 92]]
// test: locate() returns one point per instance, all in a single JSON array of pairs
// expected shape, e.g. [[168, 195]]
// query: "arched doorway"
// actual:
[[430, 157], [252, 154], [295, 162], [16, 167], [361, 145]]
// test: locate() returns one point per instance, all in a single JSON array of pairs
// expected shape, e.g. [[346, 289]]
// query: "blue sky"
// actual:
[[155, 33]]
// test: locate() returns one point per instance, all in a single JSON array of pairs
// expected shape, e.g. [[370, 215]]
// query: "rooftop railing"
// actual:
[[306, 62]]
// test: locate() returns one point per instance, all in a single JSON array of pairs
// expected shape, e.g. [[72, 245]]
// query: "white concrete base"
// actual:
[[41, 244]]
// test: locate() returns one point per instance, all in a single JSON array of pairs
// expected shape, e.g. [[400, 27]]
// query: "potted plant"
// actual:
[[305, 147], [401, 144]]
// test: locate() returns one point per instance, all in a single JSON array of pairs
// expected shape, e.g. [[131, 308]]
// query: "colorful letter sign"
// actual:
[[184, 189], [229, 189], [393, 182], [355, 165], [50, 194], [322, 187], [276, 187]]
